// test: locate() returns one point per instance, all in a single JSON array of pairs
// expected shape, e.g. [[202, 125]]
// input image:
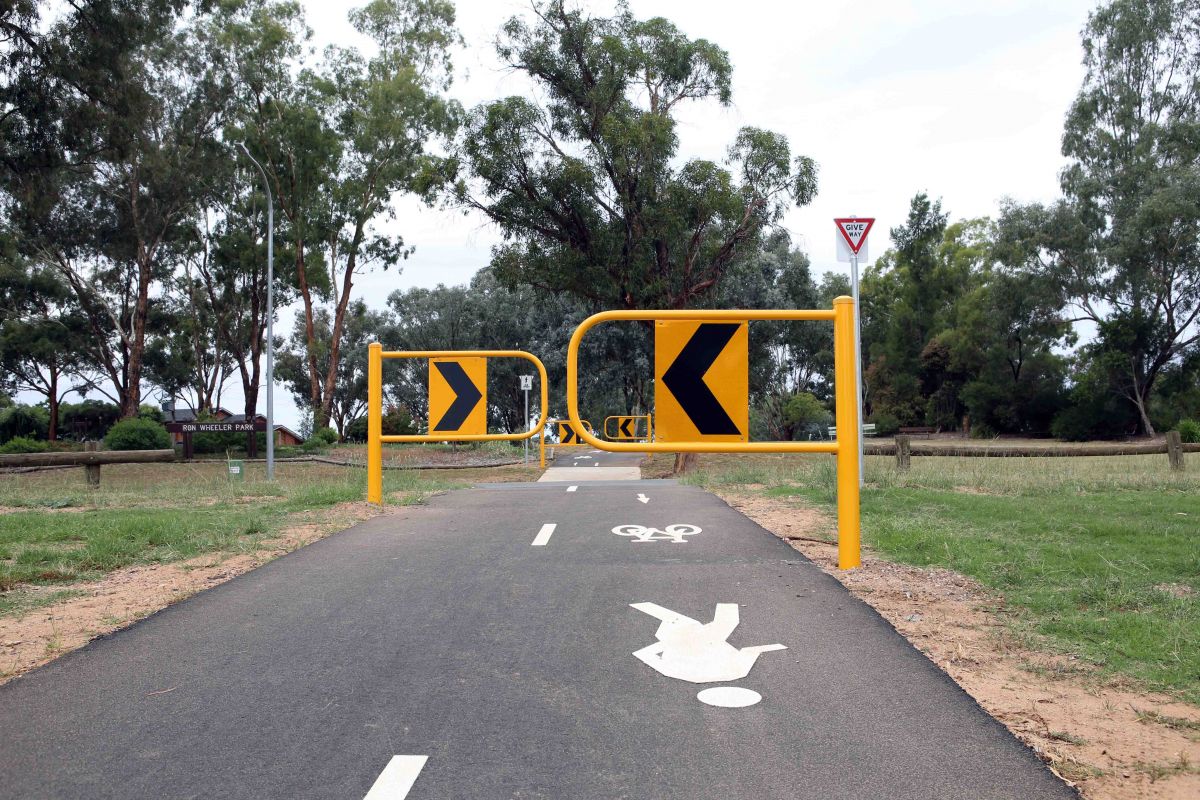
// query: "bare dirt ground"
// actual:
[[127, 595], [1103, 736]]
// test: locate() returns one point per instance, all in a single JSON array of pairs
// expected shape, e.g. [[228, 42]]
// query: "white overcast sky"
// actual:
[[964, 101]]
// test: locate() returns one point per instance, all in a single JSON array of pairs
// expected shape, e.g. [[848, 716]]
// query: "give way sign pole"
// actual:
[[852, 244]]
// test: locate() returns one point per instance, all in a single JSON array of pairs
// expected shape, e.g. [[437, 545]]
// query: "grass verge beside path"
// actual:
[[1100, 556], [54, 530]]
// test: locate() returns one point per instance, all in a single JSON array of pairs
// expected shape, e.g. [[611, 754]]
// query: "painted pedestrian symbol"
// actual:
[[689, 650], [640, 533]]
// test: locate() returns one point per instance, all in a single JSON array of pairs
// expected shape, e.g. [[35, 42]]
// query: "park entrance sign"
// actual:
[[190, 428]]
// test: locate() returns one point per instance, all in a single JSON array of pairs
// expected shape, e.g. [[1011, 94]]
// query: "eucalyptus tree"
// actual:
[[354, 131], [110, 124], [588, 187], [1123, 245]]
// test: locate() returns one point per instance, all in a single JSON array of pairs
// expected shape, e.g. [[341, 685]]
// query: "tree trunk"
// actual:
[[310, 339], [52, 403], [684, 462]]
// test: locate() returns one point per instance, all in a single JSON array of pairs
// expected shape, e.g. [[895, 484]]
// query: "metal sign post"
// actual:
[[852, 243], [526, 385]]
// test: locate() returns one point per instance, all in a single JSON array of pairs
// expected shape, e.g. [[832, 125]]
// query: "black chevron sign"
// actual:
[[685, 379], [568, 434], [467, 396], [624, 428]]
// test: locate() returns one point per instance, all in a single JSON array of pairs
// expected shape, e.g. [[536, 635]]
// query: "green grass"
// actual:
[[1100, 556], [58, 531]]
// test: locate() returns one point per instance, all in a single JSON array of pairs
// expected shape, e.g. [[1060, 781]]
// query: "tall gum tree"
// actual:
[[1124, 243], [354, 132], [586, 186]]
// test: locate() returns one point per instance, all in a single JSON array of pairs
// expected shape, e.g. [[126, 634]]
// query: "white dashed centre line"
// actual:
[[572, 488], [544, 535], [397, 778]]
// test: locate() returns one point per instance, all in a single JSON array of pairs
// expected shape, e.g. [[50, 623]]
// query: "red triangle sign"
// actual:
[[854, 230]]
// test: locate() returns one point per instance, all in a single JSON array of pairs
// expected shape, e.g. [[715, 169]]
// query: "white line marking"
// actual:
[[544, 535], [729, 697], [643, 499], [572, 488], [596, 464], [397, 778]]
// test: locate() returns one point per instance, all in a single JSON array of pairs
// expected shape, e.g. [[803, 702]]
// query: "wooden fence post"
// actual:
[[903, 453], [91, 470], [1175, 450]]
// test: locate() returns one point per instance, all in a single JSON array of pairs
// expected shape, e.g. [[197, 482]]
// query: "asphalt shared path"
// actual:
[[550, 641]]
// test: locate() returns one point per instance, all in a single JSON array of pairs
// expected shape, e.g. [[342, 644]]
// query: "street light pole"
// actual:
[[270, 315]]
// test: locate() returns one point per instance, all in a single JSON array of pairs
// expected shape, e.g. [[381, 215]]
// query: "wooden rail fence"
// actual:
[[90, 460], [904, 449]]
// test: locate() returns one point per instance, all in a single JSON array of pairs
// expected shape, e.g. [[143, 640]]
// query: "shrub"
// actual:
[[89, 419], [885, 424], [981, 430], [326, 435], [314, 444], [31, 422], [1189, 431], [397, 422], [137, 434], [356, 431], [21, 444], [152, 413]]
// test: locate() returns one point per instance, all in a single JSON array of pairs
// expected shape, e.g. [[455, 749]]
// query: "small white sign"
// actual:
[[526, 383]]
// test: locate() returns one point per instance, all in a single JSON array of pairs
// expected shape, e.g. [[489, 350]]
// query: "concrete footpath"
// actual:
[[612, 640]]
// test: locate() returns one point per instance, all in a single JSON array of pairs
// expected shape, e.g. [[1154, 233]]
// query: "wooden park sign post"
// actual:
[[190, 428]]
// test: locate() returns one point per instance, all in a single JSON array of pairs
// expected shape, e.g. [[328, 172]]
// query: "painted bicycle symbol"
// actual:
[[672, 533]]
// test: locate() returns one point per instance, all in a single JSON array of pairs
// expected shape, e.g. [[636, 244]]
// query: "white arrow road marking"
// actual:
[[397, 778], [572, 488], [695, 652], [580, 458], [544, 534], [643, 499]]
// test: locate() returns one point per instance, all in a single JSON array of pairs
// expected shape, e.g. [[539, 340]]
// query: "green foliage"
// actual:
[[587, 184], [137, 434], [1123, 245], [804, 409], [885, 424], [26, 421], [89, 419], [21, 444], [326, 435], [1189, 431]]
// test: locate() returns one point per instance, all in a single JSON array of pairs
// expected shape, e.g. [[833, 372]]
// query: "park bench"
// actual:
[[867, 430], [918, 430]]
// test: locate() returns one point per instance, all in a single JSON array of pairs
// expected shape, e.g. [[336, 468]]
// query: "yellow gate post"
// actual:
[[375, 423], [846, 405], [848, 431]]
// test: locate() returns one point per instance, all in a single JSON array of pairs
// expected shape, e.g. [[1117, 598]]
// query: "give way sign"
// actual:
[[854, 231]]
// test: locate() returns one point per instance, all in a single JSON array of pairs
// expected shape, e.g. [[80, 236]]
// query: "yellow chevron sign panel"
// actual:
[[567, 436], [701, 381], [458, 396]]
